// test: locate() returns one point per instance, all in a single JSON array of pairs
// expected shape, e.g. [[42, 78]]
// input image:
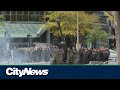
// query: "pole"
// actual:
[[58, 22], [77, 45], [63, 43]]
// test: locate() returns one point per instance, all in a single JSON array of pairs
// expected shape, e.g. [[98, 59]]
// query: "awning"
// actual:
[[40, 32], [20, 29]]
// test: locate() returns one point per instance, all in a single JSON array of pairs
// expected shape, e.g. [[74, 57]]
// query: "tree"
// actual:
[[116, 15], [68, 22], [96, 35], [110, 17]]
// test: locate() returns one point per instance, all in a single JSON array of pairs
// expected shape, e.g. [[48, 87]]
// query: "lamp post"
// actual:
[[63, 43], [77, 45], [58, 22]]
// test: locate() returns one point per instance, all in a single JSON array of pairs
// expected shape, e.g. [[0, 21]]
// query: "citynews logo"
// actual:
[[26, 71]]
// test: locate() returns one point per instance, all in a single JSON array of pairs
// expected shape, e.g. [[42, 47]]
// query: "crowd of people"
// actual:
[[56, 55], [83, 56], [100, 54], [29, 55]]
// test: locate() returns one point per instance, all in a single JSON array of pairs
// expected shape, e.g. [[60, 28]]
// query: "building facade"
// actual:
[[22, 15], [105, 26], [23, 28]]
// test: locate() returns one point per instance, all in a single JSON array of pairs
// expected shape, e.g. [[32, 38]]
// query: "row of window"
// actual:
[[25, 40], [22, 15], [22, 18], [22, 12]]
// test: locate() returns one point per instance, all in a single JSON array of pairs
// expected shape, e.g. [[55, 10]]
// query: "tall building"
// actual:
[[20, 28], [104, 24]]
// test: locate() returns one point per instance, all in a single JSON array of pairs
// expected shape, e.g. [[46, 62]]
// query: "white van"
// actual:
[[113, 55]]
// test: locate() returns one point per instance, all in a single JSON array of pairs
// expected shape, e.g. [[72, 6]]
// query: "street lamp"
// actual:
[[58, 22], [63, 43], [77, 45]]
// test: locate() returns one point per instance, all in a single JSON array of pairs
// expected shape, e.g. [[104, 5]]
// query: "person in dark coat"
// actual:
[[34, 55], [89, 54], [71, 57], [85, 57], [94, 54], [106, 54], [57, 57], [47, 55], [99, 55], [40, 54], [68, 56], [81, 55], [102, 55]]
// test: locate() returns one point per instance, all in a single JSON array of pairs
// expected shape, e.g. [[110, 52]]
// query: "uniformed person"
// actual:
[[72, 57], [40, 54], [68, 56], [89, 55], [60, 56], [85, 57], [98, 55], [94, 55], [47, 55], [58, 59], [106, 54], [81, 56]]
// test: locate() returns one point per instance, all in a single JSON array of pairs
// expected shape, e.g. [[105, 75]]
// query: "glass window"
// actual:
[[7, 12], [19, 12], [36, 13], [13, 12], [3, 12], [34, 18], [31, 18], [19, 17], [31, 12], [25, 12], [25, 17], [13, 18], [7, 17], [41, 12]]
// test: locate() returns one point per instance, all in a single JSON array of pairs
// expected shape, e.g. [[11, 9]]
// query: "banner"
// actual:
[[59, 72]]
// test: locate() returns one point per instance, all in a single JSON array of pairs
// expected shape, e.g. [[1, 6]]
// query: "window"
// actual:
[[31, 12], [36, 13], [13, 12], [19, 17], [25, 12], [7, 12], [7, 17], [3, 12], [31, 18], [19, 12], [25, 17], [13, 18]]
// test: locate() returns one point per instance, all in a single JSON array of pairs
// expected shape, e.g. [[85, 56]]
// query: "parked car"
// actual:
[[113, 55]]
